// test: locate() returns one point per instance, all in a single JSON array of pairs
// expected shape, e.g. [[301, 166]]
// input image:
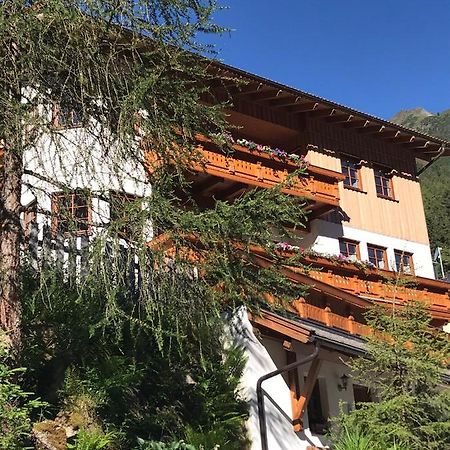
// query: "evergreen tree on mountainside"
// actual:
[[435, 181]]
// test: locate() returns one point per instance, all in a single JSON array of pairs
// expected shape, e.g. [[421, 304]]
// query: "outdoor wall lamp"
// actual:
[[342, 386]]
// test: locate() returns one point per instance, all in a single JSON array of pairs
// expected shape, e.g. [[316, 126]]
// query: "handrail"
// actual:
[[260, 394]]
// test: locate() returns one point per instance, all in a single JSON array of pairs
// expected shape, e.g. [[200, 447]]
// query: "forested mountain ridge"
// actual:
[[435, 181]]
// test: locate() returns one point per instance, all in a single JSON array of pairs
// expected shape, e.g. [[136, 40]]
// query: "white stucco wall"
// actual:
[[76, 159], [324, 238]]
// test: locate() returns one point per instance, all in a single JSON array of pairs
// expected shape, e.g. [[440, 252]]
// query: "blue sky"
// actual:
[[377, 56]]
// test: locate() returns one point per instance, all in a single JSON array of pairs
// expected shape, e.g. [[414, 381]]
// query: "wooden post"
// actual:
[[356, 285], [294, 387], [300, 306], [306, 392], [259, 174], [327, 317], [351, 324]]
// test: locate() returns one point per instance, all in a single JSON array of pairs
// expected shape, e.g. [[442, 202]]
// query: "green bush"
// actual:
[[403, 367], [154, 445], [91, 440], [354, 439], [16, 405]]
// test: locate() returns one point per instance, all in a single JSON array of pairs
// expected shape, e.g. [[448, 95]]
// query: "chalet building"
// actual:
[[366, 225]]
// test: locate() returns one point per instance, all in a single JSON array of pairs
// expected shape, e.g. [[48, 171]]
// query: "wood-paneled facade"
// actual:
[[376, 203], [325, 134]]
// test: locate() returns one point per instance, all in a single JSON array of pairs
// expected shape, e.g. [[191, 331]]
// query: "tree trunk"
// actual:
[[10, 237]]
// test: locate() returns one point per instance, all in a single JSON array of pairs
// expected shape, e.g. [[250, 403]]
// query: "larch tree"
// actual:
[[106, 60], [405, 368], [129, 78]]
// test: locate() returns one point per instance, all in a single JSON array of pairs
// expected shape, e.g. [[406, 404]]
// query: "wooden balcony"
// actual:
[[360, 287], [345, 284], [326, 317], [383, 286], [437, 302], [316, 184], [225, 176], [294, 330]]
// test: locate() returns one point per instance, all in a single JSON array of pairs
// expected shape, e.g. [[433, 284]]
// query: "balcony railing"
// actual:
[[304, 310], [438, 303], [368, 284], [315, 184], [259, 169], [383, 285]]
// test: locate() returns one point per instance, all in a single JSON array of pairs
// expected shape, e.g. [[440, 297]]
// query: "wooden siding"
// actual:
[[403, 218], [329, 137]]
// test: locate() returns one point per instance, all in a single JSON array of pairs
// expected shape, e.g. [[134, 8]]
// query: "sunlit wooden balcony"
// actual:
[[383, 286], [344, 283], [316, 184], [379, 291], [225, 177], [293, 329], [326, 317]]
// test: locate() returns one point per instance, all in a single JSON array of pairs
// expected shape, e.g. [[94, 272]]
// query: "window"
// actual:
[[404, 262], [29, 218], [120, 209], [361, 394], [71, 212], [377, 256], [350, 168], [349, 248], [383, 183], [317, 414], [67, 115]]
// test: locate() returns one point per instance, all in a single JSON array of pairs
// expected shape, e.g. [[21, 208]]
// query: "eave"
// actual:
[[240, 84], [344, 283]]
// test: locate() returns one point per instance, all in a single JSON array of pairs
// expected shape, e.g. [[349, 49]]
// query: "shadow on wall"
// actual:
[[278, 408]]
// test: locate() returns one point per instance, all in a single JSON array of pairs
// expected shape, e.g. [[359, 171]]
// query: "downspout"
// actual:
[[432, 161], [260, 394]]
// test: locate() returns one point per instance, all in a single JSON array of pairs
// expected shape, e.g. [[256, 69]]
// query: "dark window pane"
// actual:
[[361, 394], [350, 170], [316, 413], [72, 212]]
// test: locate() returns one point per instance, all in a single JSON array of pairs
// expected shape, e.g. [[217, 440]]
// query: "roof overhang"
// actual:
[[289, 326], [244, 85]]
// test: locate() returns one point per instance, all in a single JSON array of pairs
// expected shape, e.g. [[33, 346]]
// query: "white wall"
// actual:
[[324, 238], [267, 355], [76, 159]]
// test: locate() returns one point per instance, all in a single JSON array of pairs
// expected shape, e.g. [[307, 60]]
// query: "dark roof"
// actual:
[[295, 101]]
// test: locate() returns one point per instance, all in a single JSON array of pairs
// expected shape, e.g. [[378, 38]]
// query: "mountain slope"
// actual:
[[411, 118], [435, 181]]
